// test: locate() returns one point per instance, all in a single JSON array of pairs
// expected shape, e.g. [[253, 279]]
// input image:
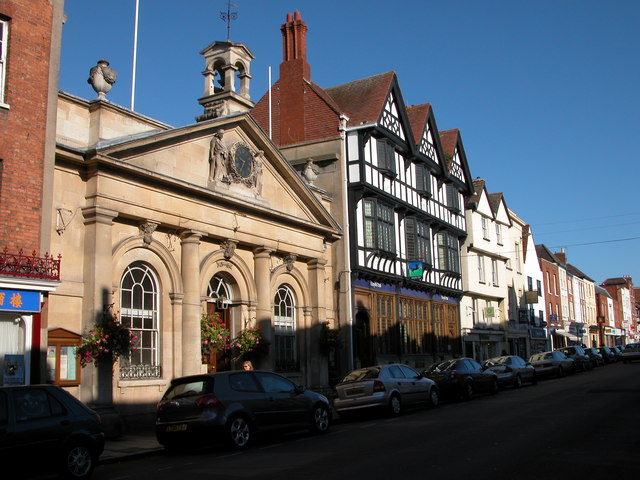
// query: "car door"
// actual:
[[416, 385], [286, 403], [482, 379], [245, 390], [398, 381], [37, 424]]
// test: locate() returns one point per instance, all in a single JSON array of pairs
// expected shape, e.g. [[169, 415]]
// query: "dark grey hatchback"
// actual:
[[44, 429], [234, 406]]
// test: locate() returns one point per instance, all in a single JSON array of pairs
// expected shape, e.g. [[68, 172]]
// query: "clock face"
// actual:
[[243, 161]]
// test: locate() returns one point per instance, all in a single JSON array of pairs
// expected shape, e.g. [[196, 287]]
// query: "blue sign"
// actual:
[[19, 301]]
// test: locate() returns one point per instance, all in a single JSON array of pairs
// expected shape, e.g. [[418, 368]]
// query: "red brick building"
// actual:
[[30, 32]]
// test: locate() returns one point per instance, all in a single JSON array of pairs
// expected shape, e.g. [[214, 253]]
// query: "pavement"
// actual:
[[130, 445]]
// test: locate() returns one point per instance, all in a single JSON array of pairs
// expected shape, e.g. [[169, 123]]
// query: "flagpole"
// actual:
[[135, 53]]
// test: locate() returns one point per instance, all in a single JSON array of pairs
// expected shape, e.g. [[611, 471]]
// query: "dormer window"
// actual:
[[386, 157]]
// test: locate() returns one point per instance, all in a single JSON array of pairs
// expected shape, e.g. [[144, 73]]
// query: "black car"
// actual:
[[581, 359], [233, 406], [607, 355], [45, 429], [617, 351], [462, 378], [511, 370], [596, 358]]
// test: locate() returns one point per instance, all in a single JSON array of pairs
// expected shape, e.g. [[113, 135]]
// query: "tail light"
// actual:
[[378, 386], [208, 401]]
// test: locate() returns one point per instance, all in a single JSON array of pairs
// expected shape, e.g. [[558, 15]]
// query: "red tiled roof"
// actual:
[[418, 115], [362, 100], [449, 140]]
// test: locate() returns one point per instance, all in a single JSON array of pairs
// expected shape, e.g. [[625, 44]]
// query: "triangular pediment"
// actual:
[[256, 180]]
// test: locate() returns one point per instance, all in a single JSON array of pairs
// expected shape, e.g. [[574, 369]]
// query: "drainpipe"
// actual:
[[346, 243]]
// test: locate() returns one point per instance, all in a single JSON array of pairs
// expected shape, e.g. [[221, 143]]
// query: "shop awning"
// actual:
[[568, 335]]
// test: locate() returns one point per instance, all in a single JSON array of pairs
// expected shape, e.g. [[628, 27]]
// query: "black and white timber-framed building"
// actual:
[[396, 190]]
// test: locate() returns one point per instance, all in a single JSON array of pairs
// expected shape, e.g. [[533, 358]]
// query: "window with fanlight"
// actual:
[[139, 310]]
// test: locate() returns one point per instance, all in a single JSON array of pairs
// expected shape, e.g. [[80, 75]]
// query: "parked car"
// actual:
[[45, 429], [607, 354], [596, 357], [462, 378], [511, 370], [233, 406], [617, 351], [390, 387], [577, 353], [554, 363], [631, 352]]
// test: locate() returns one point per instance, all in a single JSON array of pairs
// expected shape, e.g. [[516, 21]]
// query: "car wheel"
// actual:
[[467, 392], [495, 388], [518, 381], [78, 461], [239, 432], [320, 421], [395, 405], [434, 397]]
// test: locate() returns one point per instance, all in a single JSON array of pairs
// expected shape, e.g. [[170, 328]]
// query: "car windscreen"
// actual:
[[196, 386], [362, 374], [440, 367]]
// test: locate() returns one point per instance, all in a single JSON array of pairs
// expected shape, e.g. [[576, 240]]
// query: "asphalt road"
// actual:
[[584, 426]]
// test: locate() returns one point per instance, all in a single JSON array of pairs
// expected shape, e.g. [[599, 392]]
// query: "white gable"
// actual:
[[483, 205], [391, 119], [427, 145]]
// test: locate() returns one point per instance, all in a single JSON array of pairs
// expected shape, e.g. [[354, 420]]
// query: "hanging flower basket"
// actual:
[[214, 333], [107, 341], [249, 344]]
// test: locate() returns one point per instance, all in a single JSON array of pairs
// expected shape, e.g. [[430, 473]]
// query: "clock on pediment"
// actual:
[[241, 160]]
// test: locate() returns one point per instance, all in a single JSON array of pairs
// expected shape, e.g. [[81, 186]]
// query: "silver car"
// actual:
[[389, 387]]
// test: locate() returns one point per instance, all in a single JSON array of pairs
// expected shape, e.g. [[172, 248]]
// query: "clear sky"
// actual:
[[544, 92]]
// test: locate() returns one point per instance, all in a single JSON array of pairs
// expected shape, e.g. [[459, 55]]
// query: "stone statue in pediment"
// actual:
[[218, 156]]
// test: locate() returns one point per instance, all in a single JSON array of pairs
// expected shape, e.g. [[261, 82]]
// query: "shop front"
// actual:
[[398, 324]]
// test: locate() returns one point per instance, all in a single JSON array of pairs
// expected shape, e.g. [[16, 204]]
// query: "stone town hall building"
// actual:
[[164, 224]]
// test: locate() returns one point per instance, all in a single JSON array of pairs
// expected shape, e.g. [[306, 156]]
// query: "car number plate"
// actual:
[[355, 391], [177, 428]]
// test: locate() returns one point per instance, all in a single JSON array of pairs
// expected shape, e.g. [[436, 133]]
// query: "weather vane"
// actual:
[[228, 16]]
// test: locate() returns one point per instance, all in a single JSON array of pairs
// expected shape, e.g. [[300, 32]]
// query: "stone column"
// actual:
[[317, 372], [190, 267], [262, 260]]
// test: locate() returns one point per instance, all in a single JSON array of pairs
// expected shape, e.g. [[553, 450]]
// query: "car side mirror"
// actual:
[[300, 389]]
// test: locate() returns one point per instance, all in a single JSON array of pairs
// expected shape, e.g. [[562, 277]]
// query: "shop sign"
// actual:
[[416, 269], [19, 301]]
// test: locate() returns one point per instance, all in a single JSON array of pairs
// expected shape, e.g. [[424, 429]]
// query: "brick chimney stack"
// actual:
[[295, 73], [294, 47]]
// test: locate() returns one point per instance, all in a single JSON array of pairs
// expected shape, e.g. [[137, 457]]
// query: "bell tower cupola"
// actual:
[[226, 80]]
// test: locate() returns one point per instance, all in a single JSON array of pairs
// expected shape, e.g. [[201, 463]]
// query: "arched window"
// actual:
[[284, 324], [139, 310], [219, 288]]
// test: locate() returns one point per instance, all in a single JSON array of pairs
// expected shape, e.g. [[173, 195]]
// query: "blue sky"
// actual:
[[544, 92]]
